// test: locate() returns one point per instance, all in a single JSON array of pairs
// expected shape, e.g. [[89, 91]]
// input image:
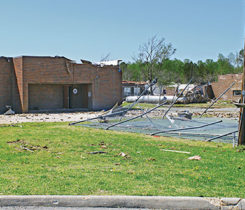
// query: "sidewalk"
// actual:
[[139, 202]]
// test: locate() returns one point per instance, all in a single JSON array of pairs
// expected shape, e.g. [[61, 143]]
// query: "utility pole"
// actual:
[[241, 135]]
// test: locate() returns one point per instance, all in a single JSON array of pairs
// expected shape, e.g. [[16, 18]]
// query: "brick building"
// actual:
[[30, 83], [224, 81]]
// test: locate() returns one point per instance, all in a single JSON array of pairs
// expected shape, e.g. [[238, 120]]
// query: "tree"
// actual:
[[239, 58], [224, 65], [131, 71], [151, 54]]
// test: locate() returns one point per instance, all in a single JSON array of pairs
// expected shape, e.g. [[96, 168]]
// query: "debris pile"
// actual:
[[195, 95], [9, 111]]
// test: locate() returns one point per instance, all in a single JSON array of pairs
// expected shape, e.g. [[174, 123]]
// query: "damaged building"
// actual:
[[132, 88], [224, 81], [32, 83]]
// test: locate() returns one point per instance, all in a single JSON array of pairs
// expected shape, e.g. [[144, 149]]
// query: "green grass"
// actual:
[[219, 104], [53, 158]]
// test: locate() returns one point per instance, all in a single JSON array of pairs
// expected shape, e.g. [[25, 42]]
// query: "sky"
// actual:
[[92, 29]]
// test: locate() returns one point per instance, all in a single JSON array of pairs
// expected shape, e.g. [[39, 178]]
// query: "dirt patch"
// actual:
[[77, 116], [46, 117]]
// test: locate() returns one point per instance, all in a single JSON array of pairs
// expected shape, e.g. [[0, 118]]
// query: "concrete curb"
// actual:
[[150, 202]]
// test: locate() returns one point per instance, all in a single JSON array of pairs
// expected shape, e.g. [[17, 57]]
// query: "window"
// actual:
[[127, 91], [236, 92], [136, 91]]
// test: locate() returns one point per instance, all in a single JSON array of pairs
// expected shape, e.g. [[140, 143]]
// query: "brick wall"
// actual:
[[105, 82], [5, 83], [224, 81], [8, 86], [18, 74], [45, 96]]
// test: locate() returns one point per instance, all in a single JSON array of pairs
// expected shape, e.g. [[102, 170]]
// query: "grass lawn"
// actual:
[[53, 158], [219, 104]]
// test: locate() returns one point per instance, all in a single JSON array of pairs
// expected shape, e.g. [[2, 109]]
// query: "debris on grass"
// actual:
[[241, 149], [17, 141], [196, 157], [124, 155], [96, 152], [10, 125], [168, 150], [151, 159], [102, 145], [27, 146]]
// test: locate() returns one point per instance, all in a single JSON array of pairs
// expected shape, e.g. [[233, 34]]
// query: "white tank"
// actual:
[[153, 99]]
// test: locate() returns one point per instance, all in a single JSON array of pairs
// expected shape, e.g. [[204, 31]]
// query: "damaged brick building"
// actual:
[[29, 83], [224, 81]]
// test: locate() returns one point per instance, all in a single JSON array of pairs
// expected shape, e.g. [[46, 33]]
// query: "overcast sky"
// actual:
[[198, 29]]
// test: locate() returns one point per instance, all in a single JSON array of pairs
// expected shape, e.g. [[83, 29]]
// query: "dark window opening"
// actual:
[[236, 92]]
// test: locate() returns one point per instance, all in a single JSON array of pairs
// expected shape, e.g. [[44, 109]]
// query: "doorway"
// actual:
[[77, 96]]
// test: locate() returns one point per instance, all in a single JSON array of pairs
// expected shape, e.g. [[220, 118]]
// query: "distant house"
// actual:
[[224, 81], [132, 88], [177, 88]]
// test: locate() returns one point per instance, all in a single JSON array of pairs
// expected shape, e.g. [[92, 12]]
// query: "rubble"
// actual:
[[196, 157], [9, 111]]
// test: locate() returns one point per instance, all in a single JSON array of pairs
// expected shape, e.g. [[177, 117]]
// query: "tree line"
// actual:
[[154, 60]]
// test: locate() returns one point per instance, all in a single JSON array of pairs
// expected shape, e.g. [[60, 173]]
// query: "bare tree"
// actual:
[[151, 54]]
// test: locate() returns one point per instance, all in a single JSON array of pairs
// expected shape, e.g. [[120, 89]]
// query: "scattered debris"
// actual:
[[9, 111], [116, 111], [102, 145], [27, 146], [196, 157], [124, 155], [188, 128], [185, 114], [217, 99], [151, 159], [97, 152], [168, 150], [242, 149], [17, 141], [103, 120], [11, 125]]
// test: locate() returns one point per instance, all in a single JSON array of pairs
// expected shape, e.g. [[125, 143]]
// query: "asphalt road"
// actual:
[[61, 208]]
